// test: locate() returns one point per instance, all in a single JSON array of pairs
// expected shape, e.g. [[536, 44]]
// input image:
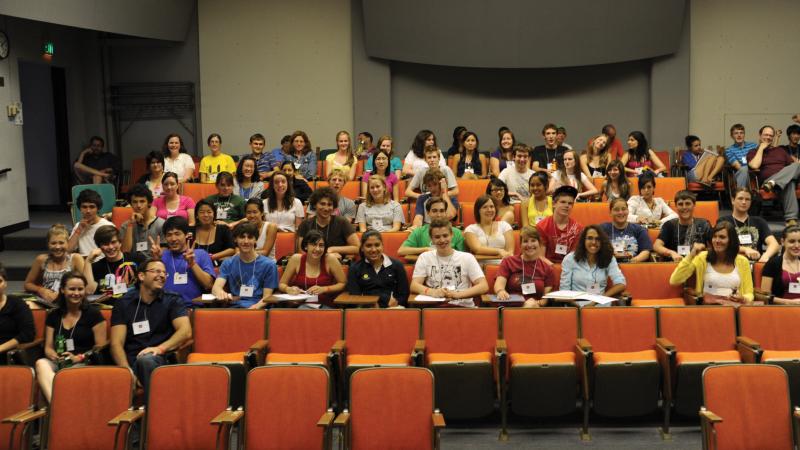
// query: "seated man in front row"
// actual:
[[419, 241], [147, 323], [677, 236]]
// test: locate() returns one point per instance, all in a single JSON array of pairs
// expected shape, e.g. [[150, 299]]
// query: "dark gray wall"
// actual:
[[522, 33], [39, 132]]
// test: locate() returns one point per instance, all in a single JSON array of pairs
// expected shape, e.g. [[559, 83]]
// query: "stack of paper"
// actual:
[[577, 295], [292, 297]]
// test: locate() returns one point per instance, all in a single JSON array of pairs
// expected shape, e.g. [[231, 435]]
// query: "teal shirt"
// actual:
[[420, 237]]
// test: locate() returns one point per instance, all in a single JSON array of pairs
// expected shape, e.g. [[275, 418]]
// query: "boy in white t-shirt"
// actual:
[[517, 177], [82, 237]]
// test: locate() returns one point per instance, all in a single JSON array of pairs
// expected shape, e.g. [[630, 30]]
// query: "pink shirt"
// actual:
[[184, 205], [391, 180]]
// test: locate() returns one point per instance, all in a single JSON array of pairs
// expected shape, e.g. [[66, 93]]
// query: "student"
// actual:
[[640, 158], [176, 159], [614, 145], [780, 274], [347, 207], [171, 204], [217, 162], [525, 274], [44, 277], [677, 236], [539, 205], [488, 237], [503, 156], [561, 137], [279, 153], [143, 227], [386, 144], [155, 173], [190, 271], [302, 156], [793, 146], [267, 231], [380, 163], [71, 330], [470, 164], [596, 157], [458, 137], [568, 174], [516, 177], [280, 205], [365, 148], [147, 323], [703, 165], [315, 272], [215, 238], [444, 272], [591, 265], [300, 187], [415, 159], [778, 169], [736, 155], [753, 231], [16, 320], [247, 183], [419, 240], [722, 276], [379, 212], [436, 185], [378, 274], [502, 201], [229, 207], [560, 232], [629, 241], [250, 276], [432, 157], [265, 162], [107, 269], [82, 237], [646, 209], [546, 156], [95, 165], [340, 237], [343, 159], [616, 184]]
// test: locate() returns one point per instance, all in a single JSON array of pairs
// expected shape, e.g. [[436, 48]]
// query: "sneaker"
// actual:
[[769, 186]]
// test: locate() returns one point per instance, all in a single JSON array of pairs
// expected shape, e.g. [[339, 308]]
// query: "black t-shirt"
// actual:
[[388, 281], [103, 267], [672, 234], [104, 160], [159, 314], [81, 334], [335, 233], [223, 240], [544, 156], [774, 269], [16, 321], [755, 226]]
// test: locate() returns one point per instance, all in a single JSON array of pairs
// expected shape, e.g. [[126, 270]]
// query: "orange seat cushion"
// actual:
[[374, 360], [542, 358], [658, 302], [622, 357], [459, 357], [724, 356], [297, 358], [215, 357], [780, 355]]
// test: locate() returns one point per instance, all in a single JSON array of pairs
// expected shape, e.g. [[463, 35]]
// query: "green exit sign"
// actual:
[[48, 48]]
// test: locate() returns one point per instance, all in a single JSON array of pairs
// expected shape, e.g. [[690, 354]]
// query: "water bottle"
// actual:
[[61, 344]]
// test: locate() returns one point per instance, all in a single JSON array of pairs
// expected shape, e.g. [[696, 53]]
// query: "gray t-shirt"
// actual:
[[517, 182], [142, 234], [346, 208], [380, 217], [416, 182]]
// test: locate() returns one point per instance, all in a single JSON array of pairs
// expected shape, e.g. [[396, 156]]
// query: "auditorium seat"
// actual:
[[18, 396], [591, 213], [643, 291], [470, 190], [198, 191], [706, 210], [284, 246], [120, 215], [304, 336]]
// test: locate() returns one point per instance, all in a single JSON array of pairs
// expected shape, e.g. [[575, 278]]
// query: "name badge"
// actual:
[[597, 174], [246, 291], [683, 250], [141, 327], [794, 288], [561, 249], [119, 288], [551, 166], [297, 165], [222, 213], [744, 159], [450, 286], [469, 170], [312, 299], [181, 278], [529, 288], [213, 177], [110, 280], [595, 288], [745, 239], [619, 246], [638, 170], [70, 344], [141, 246]]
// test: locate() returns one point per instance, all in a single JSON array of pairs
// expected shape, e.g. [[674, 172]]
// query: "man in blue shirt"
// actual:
[[702, 165], [736, 155], [250, 277], [265, 161], [190, 271]]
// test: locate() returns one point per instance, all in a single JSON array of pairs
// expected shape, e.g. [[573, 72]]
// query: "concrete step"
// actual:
[[18, 262], [29, 239]]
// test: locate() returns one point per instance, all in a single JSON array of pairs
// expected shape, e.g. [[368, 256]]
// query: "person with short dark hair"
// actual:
[[561, 137], [265, 162], [378, 274], [246, 183], [518, 175], [16, 320], [436, 185], [677, 236], [278, 153], [419, 240], [155, 173], [340, 237], [108, 269], [147, 323], [229, 206], [365, 148], [190, 271], [144, 229], [736, 155], [315, 272], [82, 236], [614, 146], [432, 156], [217, 162], [754, 234], [95, 165], [591, 265], [702, 166], [793, 146], [251, 278], [546, 156], [560, 232]]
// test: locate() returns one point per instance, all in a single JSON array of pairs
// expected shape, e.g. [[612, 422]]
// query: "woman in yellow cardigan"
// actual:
[[722, 276]]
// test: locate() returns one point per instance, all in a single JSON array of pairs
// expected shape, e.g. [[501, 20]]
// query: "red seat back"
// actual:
[[227, 330], [303, 331], [699, 328], [619, 329], [17, 393], [639, 280], [449, 330], [381, 331], [540, 330], [773, 327]]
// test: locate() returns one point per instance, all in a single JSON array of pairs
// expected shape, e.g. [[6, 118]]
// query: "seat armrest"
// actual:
[[327, 418], [666, 344], [419, 346], [744, 340], [260, 345], [342, 419], [624, 298], [709, 416], [584, 345], [501, 346], [228, 417], [26, 415], [180, 354], [129, 416], [338, 346], [438, 419]]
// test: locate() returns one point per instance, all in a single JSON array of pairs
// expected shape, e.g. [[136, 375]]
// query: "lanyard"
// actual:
[[174, 270], [327, 228], [689, 233], [61, 323], [533, 277], [241, 274], [443, 267], [137, 310]]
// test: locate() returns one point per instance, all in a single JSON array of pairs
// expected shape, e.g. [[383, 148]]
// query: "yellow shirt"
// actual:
[[335, 165], [534, 216], [213, 165]]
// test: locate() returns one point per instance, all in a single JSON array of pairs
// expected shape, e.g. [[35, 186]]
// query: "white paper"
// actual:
[[564, 294], [463, 302], [511, 298], [600, 299], [287, 297], [427, 298], [208, 297]]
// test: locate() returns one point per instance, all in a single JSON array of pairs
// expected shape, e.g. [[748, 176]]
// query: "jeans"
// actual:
[[144, 366]]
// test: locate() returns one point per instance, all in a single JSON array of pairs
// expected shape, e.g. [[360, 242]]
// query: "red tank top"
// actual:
[[323, 279]]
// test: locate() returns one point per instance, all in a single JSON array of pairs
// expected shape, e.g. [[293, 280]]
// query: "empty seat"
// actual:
[[644, 291], [17, 399]]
